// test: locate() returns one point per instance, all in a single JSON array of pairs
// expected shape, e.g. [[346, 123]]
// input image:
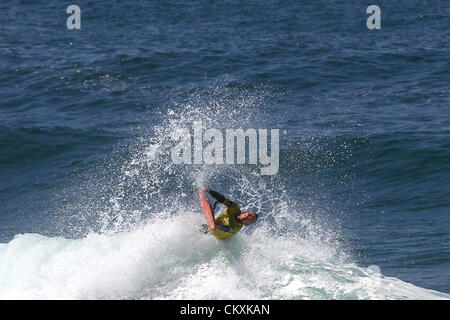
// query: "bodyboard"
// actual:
[[206, 208]]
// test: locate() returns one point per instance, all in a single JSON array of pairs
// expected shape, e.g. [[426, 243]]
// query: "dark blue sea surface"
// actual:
[[364, 117]]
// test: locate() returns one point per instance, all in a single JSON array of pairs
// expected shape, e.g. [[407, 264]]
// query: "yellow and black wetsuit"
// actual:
[[227, 222]]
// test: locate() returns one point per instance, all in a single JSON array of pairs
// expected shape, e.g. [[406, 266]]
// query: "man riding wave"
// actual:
[[230, 221]]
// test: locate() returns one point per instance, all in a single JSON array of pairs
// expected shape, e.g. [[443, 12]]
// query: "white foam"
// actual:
[[292, 253], [171, 259]]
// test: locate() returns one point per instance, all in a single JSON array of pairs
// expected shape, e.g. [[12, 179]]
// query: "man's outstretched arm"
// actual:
[[220, 198]]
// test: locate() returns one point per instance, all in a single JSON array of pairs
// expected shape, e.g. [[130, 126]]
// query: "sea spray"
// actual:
[[135, 218]]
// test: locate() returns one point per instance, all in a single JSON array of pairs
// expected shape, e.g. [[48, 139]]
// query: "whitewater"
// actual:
[[171, 259], [138, 218]]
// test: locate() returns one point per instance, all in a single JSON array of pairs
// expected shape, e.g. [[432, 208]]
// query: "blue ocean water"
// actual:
[[91, 205]]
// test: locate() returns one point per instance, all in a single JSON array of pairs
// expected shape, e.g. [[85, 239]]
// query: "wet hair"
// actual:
[[253, 214]]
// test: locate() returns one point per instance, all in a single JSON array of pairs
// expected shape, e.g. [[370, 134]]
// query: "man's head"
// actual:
[[247, 217]]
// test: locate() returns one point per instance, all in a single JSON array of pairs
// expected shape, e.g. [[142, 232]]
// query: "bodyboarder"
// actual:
[[230, 221]]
